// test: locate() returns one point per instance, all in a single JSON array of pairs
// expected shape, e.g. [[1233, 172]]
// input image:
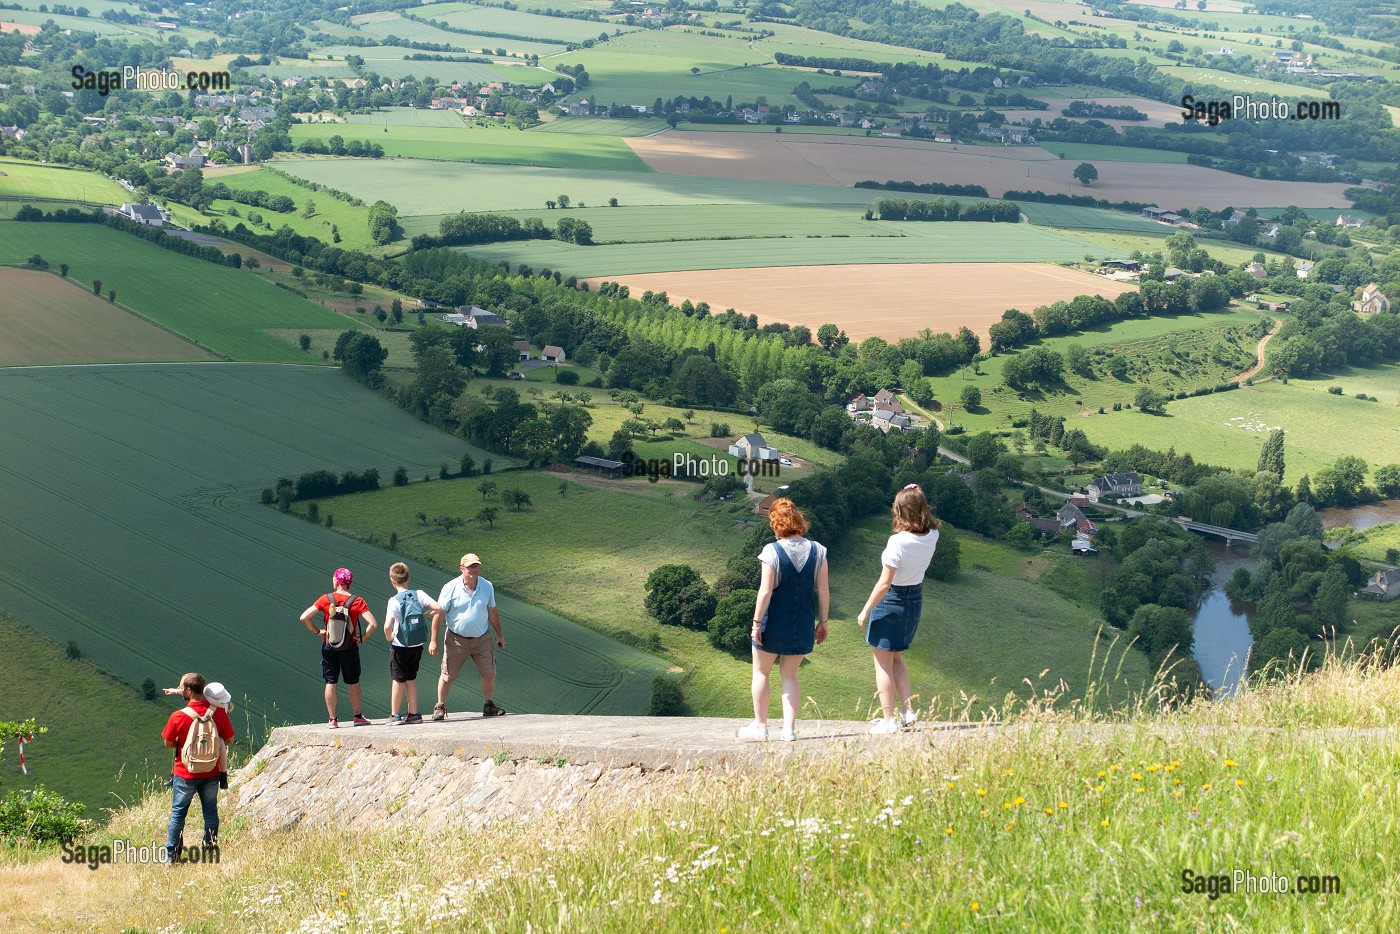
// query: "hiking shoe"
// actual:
[[363, 721], [754, 731], [398, 719], [788, 736], [910, 716], [413, 718], [883, 727], [440, 712], [491, 710], [334, 724]]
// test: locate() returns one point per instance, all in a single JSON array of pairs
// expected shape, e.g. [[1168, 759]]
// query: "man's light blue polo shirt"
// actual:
[[466, 612]]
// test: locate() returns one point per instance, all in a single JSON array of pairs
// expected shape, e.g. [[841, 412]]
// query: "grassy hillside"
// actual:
[[103, 746], [479, 142], [1229, 428], [352, 222], [1170, 354], [978, 833], [29, 181], [218, 307], [911, 242]]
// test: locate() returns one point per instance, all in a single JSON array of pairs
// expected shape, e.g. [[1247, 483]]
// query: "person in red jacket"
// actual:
[[186, 783]]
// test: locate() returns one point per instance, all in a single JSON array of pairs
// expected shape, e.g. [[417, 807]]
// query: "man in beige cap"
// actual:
[[469, 606]]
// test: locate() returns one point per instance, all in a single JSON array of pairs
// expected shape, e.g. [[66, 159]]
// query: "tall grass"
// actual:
[[1065, 818]]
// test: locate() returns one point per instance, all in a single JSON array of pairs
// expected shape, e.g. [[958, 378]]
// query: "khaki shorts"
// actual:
[[457, 649]]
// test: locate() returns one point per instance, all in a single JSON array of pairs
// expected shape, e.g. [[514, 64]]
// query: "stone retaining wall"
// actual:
[[365, 788]]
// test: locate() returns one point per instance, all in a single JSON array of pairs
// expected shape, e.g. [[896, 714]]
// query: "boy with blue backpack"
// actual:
[[407, 631]]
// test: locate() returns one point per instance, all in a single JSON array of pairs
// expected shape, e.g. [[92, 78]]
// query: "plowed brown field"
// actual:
[[845, 160], [48, 320]]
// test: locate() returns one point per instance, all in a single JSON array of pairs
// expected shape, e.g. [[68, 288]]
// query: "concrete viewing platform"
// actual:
[[468, 770], [652, 743]]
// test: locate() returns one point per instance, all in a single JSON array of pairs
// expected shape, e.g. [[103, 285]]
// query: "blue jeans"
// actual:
[[182, 796]]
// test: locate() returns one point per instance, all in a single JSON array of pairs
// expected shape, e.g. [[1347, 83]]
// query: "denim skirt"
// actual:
[[895, 619]]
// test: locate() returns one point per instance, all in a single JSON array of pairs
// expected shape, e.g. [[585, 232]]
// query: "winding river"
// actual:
[[1221, 625]]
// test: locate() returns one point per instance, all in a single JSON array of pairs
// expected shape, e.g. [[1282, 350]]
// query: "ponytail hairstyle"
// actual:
[[911, 511], [786, 519]]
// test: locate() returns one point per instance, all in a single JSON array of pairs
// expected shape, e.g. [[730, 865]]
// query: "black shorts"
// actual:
[[403, 663], [340, 665]]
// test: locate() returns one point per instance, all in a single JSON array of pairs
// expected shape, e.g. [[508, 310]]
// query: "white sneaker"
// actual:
[[788, 736], [883, 727], [754, 731], [910, 717]]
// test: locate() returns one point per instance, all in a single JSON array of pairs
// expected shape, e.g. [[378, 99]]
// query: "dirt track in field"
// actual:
[[845, 160], [889, 301]]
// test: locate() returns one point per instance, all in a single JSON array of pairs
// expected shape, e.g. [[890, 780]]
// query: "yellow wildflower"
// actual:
[[1104, 822], [976, 907], [981, 792], [1229, 763]]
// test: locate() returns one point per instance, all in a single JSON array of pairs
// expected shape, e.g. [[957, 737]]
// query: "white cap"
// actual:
[[216, 693]]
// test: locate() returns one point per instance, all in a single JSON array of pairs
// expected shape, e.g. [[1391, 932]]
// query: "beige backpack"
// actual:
[[204, 747]]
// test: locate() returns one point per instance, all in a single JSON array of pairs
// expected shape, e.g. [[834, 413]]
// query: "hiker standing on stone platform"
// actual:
[[896, 603], [341, 613], [469, 605], [789, 616]]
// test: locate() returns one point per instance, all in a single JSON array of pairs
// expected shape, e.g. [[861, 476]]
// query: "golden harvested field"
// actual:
[[845, 160], [51, 321], [889, 301]]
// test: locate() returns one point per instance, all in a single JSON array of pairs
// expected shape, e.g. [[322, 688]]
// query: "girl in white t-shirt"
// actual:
[[896, 603]]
